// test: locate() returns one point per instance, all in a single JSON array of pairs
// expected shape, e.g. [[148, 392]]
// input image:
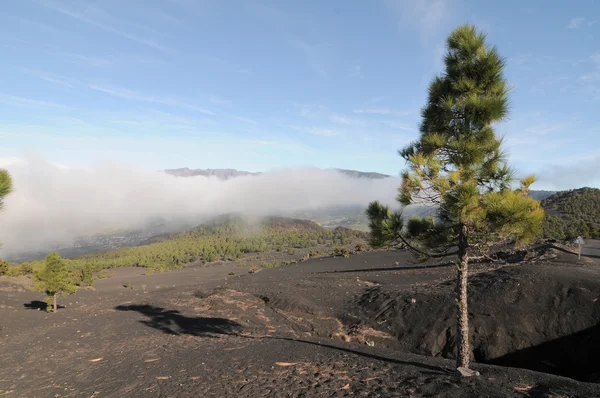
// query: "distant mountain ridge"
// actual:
[[222, 174], [226, 174]]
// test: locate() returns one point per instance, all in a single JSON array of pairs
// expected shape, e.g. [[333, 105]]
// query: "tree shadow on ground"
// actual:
[[574, 356], [39, 305], [173, 322], [379, 269]]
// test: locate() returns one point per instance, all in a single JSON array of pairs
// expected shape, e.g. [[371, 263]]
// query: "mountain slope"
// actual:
[[572, 213], [225, 174], [222, 174]]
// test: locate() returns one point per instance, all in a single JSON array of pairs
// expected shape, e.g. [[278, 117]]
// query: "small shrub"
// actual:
[[360, 247], [252, 269], [341, 251], [149, 271], [26, 268], [4, 267], [312, 254], [232, 274], [87, 275], [273, 264]]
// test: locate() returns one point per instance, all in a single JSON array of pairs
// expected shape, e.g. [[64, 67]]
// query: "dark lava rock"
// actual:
[[544, 317]]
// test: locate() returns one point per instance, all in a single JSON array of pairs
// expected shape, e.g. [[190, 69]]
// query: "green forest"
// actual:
[[572, 213], [226, 238]]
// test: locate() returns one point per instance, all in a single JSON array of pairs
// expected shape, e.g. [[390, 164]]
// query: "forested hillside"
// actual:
[[225, 238], [572, 213]]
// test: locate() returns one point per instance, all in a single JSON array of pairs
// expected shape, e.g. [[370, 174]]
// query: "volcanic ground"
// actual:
[[375, 324]]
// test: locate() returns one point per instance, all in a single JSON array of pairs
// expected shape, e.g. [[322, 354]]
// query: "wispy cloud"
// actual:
[[572, 175], [544, 129], [219, 101], [594, 75], [575, 23], [349, 121], [313, 56], [382, 112], [37, 25], [311, 111], [427, 16], [246, 120], [51, 78], [94, 16], [136, 96], [401, 126], [32, 103], [324, 132], [93, 62]]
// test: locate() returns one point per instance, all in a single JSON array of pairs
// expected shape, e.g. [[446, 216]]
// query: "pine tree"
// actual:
[[5, 186], [54, 279], [457, 165]]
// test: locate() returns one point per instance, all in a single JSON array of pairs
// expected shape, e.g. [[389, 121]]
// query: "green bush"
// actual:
[[87, 275], [4, 267], [341, 251]]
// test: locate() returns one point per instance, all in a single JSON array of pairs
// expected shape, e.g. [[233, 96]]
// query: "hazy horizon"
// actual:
[[53, 204]]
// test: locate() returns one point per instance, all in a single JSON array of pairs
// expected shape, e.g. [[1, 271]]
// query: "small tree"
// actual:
[[54, 280], [5, 186], [458, 167]]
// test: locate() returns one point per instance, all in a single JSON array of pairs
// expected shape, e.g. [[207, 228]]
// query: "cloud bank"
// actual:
[[581, 173], [52, 204]]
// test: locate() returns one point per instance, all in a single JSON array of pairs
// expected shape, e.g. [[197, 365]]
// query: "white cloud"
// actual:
[[109, 196], [575, 23], [576, 174], [135, 96]]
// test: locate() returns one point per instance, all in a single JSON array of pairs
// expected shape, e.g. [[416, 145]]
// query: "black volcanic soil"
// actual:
[[304, 330]]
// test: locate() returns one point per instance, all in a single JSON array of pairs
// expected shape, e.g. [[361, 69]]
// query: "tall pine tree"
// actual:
[[458, 166]]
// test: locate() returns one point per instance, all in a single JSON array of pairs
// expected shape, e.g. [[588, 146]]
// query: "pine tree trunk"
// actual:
[[54, 307], [463, 357]]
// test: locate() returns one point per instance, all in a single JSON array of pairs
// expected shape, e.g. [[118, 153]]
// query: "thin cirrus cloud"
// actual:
[[382, 112], [313, 56], [324, 132], [30, 103], [135, 96], [348, 121], [428, 17], [575, 23], [93, 62], [101, 19]]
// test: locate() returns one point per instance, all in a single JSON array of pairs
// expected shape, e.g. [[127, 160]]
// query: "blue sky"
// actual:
[[256, 85]]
